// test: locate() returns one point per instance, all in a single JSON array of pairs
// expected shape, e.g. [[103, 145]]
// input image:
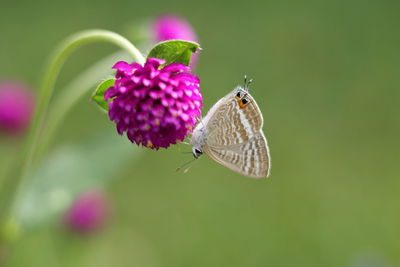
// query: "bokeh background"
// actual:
[[326, 77]]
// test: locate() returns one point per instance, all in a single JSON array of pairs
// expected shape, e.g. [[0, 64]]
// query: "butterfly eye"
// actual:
[[239, 94], [197, 152], [243, 102]]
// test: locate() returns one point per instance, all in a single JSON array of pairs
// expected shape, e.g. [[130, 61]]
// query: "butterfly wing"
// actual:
[[235, 138], [231, 124], [250, 158]]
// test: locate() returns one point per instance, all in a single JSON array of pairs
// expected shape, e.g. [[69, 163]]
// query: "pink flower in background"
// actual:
[[88, 212], [16, 106], [155, 106], [168, 27]]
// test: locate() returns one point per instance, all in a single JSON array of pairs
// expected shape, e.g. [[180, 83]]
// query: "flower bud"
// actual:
[[16, 106], [88, 212]]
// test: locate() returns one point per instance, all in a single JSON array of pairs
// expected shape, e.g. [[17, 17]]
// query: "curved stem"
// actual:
[[74, 92], [12, 182], [61, 54]]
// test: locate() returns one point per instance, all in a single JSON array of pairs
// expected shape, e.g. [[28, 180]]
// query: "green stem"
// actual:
[[23, 162], [74, 92]]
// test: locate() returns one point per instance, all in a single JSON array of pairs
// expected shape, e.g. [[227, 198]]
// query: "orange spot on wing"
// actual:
[[242, 104]]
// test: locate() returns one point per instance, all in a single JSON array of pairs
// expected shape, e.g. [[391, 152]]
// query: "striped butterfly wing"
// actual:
[[250, 159], [235, 138]]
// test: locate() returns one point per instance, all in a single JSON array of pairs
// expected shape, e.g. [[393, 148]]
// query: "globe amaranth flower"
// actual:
[[168, 27], [156, 106], [88, 212], [16, 106]]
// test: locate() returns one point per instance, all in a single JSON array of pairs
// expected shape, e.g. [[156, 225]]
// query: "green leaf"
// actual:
[[67, 171], [174, 51], [98, 95]]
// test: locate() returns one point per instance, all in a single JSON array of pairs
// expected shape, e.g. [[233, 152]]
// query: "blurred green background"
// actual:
[[326, 77]]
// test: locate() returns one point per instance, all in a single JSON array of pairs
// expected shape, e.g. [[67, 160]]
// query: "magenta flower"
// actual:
[[168, 27], [16, 106], [155, 106], [88, 212]]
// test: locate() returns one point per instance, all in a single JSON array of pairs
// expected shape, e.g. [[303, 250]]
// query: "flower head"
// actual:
[[155, 106], [168, 27], [16, 106], [88, 212]]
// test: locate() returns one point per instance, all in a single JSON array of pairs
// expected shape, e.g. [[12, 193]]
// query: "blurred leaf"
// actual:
[[174, 51], [98, 95], [67, 171]]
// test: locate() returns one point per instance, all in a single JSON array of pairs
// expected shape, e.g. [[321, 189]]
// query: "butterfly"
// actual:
[[231, 134]]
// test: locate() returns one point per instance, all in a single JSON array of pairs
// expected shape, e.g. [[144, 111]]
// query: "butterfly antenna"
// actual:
[[188, 168], [191, 165], [184, 165]]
